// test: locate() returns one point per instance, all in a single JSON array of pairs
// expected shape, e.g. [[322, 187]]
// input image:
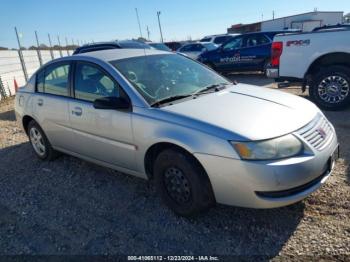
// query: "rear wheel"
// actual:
[[182, 183], [330, 88], [266, 65], [40, 143]]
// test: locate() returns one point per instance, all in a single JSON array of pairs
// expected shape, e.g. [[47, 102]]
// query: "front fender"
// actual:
[[149, 131]]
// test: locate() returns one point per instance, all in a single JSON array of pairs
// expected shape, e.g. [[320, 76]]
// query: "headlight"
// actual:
[[277, 148]]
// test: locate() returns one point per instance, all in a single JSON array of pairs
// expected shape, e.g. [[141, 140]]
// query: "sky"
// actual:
[[104, 20]]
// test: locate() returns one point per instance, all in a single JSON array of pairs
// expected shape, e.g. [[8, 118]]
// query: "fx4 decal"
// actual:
[[299, 42]]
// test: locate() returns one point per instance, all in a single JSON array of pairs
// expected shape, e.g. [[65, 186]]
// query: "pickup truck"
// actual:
[[318, 60]]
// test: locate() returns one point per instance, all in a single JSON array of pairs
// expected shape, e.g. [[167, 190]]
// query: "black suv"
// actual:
[[111, 45]]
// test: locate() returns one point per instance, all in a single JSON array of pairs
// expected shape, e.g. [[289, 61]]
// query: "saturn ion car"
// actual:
[[164, 117]]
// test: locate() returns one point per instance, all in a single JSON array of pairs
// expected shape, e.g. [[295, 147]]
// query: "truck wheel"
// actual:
[[182, 184], [40, 143], [330, 88], [266, 65]]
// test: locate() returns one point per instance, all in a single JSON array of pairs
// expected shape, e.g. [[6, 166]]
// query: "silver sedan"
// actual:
[[162, 116]]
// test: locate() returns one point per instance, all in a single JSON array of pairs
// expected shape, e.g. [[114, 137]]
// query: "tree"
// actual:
[[3, 48], [43, 47], [57, 47]]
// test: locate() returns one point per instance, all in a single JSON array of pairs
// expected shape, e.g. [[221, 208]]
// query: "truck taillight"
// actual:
[[276, 52]]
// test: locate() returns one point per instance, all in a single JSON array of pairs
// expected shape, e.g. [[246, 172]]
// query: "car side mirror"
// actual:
[[110, 103]]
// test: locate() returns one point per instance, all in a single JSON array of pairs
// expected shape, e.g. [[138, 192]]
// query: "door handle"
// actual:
[[40, 102], [77, 111]]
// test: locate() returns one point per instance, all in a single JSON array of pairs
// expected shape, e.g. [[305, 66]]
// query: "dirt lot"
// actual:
[[70, 206]]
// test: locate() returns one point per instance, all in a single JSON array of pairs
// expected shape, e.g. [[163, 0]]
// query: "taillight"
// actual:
[[276, 52]]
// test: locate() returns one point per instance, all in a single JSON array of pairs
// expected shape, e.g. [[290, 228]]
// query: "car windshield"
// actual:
[[157, 77], [209, 46], [160, 46]]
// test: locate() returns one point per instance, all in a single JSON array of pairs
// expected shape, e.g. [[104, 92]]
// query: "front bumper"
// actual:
[[268, 184]]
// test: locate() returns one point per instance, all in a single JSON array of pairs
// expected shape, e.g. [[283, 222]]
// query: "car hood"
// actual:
[[250, 112]]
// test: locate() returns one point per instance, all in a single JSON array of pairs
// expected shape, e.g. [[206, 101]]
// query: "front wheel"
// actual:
[[330, 88], [181, 182]]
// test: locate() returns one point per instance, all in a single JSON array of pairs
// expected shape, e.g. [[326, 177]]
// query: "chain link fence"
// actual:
[[16, 65]]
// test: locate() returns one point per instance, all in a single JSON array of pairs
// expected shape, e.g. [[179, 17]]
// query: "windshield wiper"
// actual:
[[214, 87], [169, 99]]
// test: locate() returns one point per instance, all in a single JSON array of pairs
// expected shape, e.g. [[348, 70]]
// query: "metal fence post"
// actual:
[[21, 57], [67, 46], [59, 44], [2, 89], [51, 52], [38, 50]]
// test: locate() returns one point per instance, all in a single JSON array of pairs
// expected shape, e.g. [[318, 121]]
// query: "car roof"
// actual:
[[210, 36], [118, 54], [197, 43], [267, 32], [149, 43]]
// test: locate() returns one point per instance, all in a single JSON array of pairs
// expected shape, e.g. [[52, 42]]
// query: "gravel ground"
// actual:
[[70, 206]]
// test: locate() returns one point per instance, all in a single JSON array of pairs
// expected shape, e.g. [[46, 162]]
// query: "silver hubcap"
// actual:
[[333, 89], [37, 141], [177, 185]]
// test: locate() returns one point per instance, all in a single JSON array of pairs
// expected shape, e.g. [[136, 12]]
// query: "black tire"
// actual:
[[198, 198], [49, 153], [320, 79]]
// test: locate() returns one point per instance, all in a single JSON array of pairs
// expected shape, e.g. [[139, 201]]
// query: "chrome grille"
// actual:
[[318, 133]]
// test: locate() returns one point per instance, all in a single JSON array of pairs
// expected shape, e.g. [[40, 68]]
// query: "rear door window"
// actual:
[[255, 40], [54, 80]]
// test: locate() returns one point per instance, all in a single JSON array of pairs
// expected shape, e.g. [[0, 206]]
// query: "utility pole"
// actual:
[[59, 44], [51, 52], [38, 50], [67, 46], [273, 15], [138, 21], [21, 57], [148, 33], [160, 27]]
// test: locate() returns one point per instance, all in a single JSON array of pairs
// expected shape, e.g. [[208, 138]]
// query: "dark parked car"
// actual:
[[173, 45], [159, 46], [247, 52], [111, 45]]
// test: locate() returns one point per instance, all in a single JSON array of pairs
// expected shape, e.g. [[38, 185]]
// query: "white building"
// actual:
[[305, 22]]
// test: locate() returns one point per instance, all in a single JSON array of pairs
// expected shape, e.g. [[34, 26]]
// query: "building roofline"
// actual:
[[284, 17], [323, 12]]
